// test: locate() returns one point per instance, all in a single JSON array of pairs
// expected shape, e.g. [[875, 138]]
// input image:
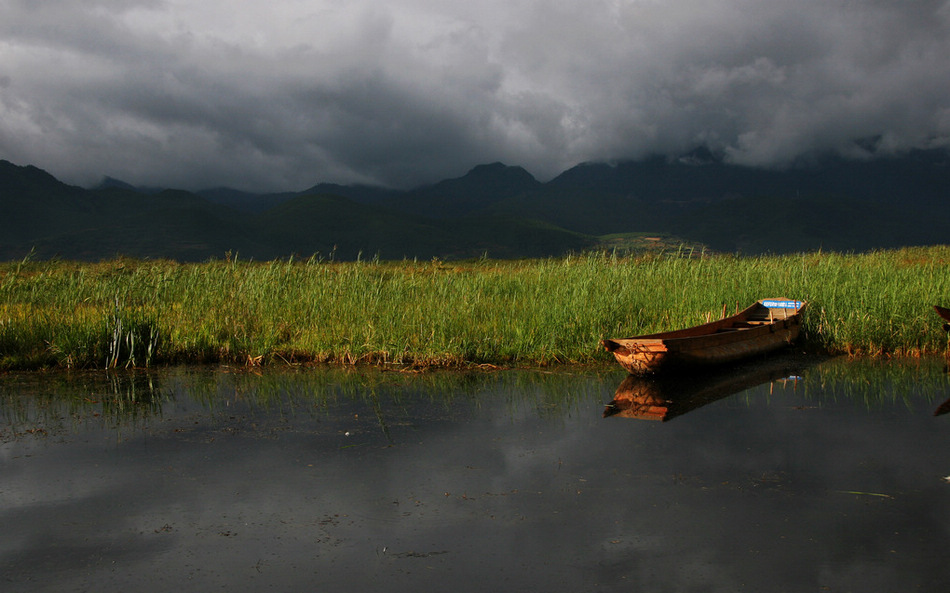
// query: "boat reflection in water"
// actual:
[[666, 397]]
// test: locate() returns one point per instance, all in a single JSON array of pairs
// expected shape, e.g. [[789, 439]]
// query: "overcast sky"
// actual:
[[282, 94]]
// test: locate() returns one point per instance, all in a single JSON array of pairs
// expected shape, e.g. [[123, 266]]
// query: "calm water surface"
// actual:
[[785, 476]]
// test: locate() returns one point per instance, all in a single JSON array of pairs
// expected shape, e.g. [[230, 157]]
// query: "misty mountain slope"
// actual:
[[783, 225], [508, 237], [328, 224], [363, 194], [244, 201], [585, 211], [496, 210], [169, 224], [919, 176], [35, 204], [334, 225], [661, 179], [473, 192]]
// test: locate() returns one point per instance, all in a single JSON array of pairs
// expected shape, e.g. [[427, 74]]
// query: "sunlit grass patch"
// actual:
[[537, 312]]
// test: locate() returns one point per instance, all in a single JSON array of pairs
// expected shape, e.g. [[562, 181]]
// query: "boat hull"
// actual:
[[724, 341], [944, 314]]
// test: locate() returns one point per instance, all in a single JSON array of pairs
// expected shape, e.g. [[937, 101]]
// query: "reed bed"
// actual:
[[128, 313]]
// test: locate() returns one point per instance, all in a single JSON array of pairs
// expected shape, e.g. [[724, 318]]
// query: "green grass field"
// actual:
[[534, 312]]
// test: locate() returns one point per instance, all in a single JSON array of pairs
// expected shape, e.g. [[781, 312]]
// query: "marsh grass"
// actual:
[[127, 313]]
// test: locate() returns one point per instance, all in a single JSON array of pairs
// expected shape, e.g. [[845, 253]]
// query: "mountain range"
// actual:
[[496, 210]]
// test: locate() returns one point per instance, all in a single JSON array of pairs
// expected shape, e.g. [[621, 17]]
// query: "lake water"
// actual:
[[788, 475]]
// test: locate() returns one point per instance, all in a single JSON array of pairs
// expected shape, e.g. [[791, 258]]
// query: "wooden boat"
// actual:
[[766, 325], [944, 314]]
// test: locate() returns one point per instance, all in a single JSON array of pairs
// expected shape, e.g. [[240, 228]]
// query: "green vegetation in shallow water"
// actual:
[[127, 313]]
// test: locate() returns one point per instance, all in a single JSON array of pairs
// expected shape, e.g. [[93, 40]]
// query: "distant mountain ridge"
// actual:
[[496, 210]]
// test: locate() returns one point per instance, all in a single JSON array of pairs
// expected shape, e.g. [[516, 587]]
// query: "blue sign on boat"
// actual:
[[774, 304]]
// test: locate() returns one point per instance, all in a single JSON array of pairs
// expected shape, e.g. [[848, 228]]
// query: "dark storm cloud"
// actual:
[[284, 94]]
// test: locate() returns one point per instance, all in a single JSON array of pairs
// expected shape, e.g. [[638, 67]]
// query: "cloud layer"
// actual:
[[285, 94]]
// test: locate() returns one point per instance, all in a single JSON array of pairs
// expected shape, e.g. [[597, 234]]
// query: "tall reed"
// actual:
[[137, 313]]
